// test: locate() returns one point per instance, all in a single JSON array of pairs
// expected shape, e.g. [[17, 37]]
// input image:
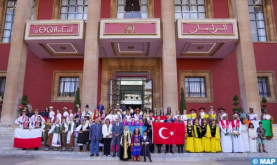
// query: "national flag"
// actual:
[[168, 133], [25, 138]]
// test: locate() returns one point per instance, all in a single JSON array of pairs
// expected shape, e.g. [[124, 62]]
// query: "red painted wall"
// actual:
[[45, 9], [224, 80], [157, 9], [220, 9], [39, 79], [105, 8], [4, 56], [265, 56]]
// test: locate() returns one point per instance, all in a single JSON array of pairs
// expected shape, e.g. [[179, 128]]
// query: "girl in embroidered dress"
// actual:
[[46, 128], [206, 136], [197, 136], [189, 137], [70, 135], [56, 130], [215, 143], [252, 138], [125, 143], [136, 146]]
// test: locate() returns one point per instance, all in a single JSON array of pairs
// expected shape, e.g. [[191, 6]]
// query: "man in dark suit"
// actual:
[[117, 130], [95, 135], [168, 120]]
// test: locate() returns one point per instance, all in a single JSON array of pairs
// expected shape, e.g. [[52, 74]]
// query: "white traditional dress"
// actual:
[[87, 114], [185, 118], [21, 120], [59, 116], [237, 139], [56, 130], [51, 115], [245, 139], [34, 118], [254, 119], [201, 116], [252, 143], [71, 126], [226, 140]]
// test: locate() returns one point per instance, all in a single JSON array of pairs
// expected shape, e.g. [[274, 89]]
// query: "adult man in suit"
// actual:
[[117, 132], [95, 135], [100, 107]]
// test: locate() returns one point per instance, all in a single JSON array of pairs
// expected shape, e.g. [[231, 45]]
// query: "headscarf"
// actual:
[[133, 136]]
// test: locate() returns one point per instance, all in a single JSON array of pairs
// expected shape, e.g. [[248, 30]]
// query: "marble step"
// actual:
[[155, 157]]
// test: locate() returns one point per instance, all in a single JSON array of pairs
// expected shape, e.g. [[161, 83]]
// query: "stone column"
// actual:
[[91, 56], [247, 72], [169, 66], [16, 64]]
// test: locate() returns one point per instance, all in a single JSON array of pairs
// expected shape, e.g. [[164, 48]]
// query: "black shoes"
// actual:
[[92, 155], [97, 154]]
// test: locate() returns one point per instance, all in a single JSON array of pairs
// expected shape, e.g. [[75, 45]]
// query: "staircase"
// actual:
[[7, 150]]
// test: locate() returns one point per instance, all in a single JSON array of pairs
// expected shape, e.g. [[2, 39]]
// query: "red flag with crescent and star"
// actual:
[[168, 133]]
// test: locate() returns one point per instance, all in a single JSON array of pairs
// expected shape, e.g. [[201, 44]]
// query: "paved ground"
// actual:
[[22, 161]]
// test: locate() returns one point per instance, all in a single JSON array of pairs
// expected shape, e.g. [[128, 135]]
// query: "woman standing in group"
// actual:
[[81, 136], [125, 143], [136, 146], [56, 130], [244, 135], [189, 134], [206, 136], [197, 136], [215, 143], [107, 136]]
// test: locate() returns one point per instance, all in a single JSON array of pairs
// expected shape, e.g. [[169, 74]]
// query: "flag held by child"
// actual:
[[168, 133]]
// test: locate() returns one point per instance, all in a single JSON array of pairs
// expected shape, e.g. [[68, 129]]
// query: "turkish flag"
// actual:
[[168, 133]]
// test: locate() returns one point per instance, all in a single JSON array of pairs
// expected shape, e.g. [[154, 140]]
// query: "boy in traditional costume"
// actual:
[[145, 146], [64, 130], [189, 137], [46, 128], [206, 136], [58, 116], [35, 117], [225, 132], [56, 130], [215, 143], [236, 134]]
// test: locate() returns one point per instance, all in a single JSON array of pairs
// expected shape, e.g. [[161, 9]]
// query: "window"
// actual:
[[9, 19], [74, 9], [68, 86], [132, 9], [257, 20], [190, 9], [263, 87], [195, 87], [2, 86]]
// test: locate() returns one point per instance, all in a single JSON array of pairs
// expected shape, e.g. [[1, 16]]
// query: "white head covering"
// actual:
[[223, 115], [235, 115]]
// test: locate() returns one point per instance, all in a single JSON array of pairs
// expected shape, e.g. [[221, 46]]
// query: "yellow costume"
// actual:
[[189, 141], [215, 139], [206, 138], [197, 138]]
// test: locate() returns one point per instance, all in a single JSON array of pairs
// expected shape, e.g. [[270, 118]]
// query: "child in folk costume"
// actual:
[[236, 134], [189, 135], [202, 114], [78, 113], [51, 114], [65, 113], [136, 146], [206, 136], [35, 117], [96, 114], [133, 122], [145, 146], [56, 130], [175, 118], [39, 123], [125, 142], [244, 135], [70, 135], [197, 136], [140, 123], [19, 121], [215, 143], [193, 115], [86, 114], [185, 117], [81, 140], [46, 128], [64, 130], [225, 132], [58, 116], [86, 132], [252, 138], [128, 115], [125, 122], [69, 116]]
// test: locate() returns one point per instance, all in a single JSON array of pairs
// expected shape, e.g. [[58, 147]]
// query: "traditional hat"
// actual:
[[51, 107], [87, 106], [201, 108], [192, 109], [224, 115], [64, 108], [235, 115], [221, 109]]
